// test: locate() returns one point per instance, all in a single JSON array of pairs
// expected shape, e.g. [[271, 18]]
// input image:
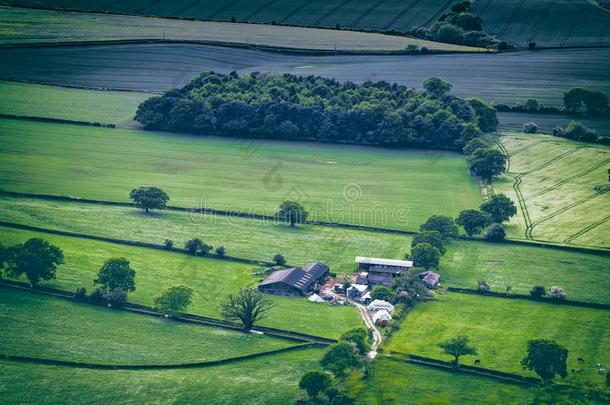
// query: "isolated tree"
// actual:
[[292, 212], [433, 238], [442, 224], [436, 87], [487, 163], [546, 358], [220, 251], [473, 221], [538, 291], [531, 104], [315, 382], [495, 233], [279, 259], [37, 259], [457, 347], [340, 357], [116, 274], [425, 255], [247, 306], [149, 198], [357, 336], [500, 207], [557, 293], [381, 292], [174, 300]]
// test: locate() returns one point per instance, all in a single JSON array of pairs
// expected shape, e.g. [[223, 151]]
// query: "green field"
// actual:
[[35, 100], [395, 382], [265, 380], [382, 187], [23, 26], [500, 329], [210, 279], [53, 328], [562, 187]]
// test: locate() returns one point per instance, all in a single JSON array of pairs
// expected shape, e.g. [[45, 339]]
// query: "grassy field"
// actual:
[[500, 328], [41, 26], [52, 328], [546, 22], [35, 100], [362, 14], [393, 189], [513, 122], [212, 280], [393, 382], [509, 77], [562, 186], [266, 380]]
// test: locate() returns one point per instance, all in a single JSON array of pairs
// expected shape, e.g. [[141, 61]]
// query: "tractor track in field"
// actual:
[[261, 8], [331, 12], [148, 6], [523, 148], [366, 13], [222, 9], [187, 7], [509, 21], [295, 11], [401, 14], [586, 229], [436, 15]]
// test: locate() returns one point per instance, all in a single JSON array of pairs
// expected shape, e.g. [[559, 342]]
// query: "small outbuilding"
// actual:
[[382, 318], [431, 279], [356, 290], [378, 305]]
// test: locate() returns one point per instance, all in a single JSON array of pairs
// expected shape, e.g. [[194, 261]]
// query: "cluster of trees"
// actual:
[[483, 160], [584, 100], [578, 132], [460, 26], [531, 105], [315, 108], [490, 215]]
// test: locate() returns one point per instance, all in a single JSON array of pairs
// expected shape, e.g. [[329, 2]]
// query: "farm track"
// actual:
[[586, 229]]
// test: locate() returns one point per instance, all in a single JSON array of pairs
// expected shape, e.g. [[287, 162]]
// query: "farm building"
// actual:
[[382, 318], [375, 271], [295, 281], [430, 278]]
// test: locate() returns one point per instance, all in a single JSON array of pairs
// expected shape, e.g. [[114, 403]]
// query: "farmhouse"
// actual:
[[373, 271], [295, 281]]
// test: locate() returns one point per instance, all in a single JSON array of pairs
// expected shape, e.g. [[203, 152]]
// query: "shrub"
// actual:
[[559, 131], [168, 243], [495, 233], [279, 260], [433, 238], [442, 224], [483, 286], [577, 131], [117, 298], [530, 128], [538, 291], [425, 255], [531, 45], [97, 297], [80, 294], [357, 336], [449, 33], [381, 292], [557, 293], [220, 251]]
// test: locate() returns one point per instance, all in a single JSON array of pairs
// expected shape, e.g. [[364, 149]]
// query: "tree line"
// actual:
[[319, 109]]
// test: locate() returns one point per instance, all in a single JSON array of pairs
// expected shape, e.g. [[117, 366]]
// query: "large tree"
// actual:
[[148, 198], [292, 212], [357, 336], [315, 382], [174, 300], [442, 224], [36, 258], [436, 87], [116, 274], [473, 221], [487, 163], [340, 357], [425, 255], [247, 306], [486, 114], [433, 238], [500, 207], [457, 347], [546, 358]]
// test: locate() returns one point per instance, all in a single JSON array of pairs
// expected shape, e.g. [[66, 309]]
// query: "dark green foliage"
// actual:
[[279, 259], [425, 255], [433, 238], [577, 131], [449, 33], [530, 127], [546, 358], [117, 298], [537, 291], [457, 347], [410, 288], [4, 252], [359, 337], [148, 198], [436, 87], [483, 286], [381, 292], [499, 207], [80, 294], [468, 22], [487, 163], [315, 382], [531, 104], [473, 221], [313, 108], [37, 259], [220, 251], [97, 297], [495, 233], [473, 145], [174, 300], [168, 243], [197, 247], [292, 212], [442, 224], [340, 357], [116, 274], [247, 306], [579, 99], [487, 118]]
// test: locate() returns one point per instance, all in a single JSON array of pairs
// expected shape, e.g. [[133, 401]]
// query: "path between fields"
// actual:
[[366, 318]]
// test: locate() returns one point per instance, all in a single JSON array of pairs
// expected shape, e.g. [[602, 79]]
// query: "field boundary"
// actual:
[[201, 364], [57, 120], [184, 318], [496, 294]]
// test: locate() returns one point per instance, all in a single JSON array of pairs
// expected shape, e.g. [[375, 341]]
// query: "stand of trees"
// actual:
[[319, 109]]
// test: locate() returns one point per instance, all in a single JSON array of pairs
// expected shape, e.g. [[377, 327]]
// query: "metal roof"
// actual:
[[384, 262], [296, 277]]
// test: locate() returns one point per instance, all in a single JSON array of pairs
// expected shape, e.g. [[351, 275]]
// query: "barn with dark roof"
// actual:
[[296, 280]]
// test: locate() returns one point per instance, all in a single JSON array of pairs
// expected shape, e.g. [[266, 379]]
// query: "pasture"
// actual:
[[382, 187], [499, 328], [35, 100], [26, 26], [212, 280], [509, 78], [46, 327], [561, 187], [513, 122], [265, 380]]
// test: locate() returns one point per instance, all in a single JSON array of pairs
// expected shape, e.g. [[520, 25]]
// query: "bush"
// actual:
[[80, 294], [495, 233], [530, 128], [168, 243], [97, 297], [449, 33], [220, 251], [279, 260], [483, 286], [577, 131], [531, 45], [557, 293], [538, 291], [117, 298], [486, 113], [381, 292]]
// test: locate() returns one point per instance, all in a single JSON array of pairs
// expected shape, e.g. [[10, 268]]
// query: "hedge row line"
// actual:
[[56, 120], [185, 318], [594, 305], [202, 364]]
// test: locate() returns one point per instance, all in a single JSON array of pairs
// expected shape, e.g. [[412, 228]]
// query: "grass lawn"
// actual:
[[266, 380], [394, 382], [500, 328], [36, 26], [562, 184], [210, 279], [362, 185], [53, 328], [36, 100]]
